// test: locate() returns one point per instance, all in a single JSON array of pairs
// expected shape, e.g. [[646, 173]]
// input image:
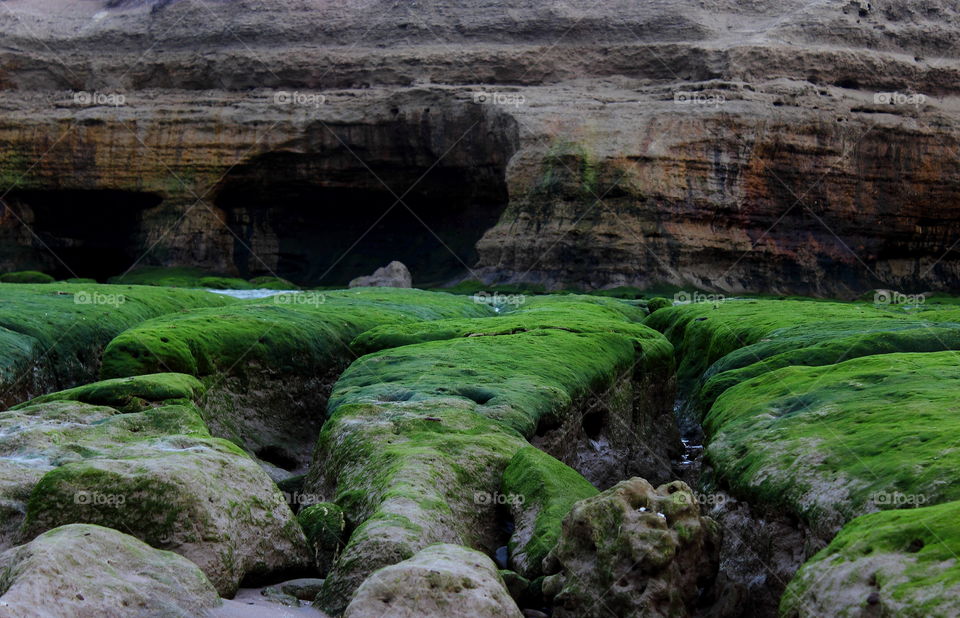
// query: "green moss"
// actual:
[[26, 276], [325, 528], [549, 489], [179, 277], [294, 334], [273, 283], [908, 557], [830, 443], [129, 394], [703, 333], [547, 313], [825, 343], [57, 331]]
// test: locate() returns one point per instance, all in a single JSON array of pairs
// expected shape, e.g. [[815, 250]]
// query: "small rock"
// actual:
[[393, 275], [305, 589]]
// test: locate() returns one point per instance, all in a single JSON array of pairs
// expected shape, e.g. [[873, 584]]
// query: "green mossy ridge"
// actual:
[[131, 394], [53, 326], [923, 542], [292, 333], [703, 333], [825, 344], [569, 315], [26, 276], [515, 379], [549, 489], [406, 475], [823, 442], [180, 277]]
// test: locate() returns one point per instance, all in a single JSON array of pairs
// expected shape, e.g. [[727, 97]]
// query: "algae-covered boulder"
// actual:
[[152, 471], [324, 526], [539, 491], [441, 580], [893, 563], [202, 498], [270, 364], [393, 275], [26, 276], [633, 550], [831, 443], [83, 570], [52, 335]]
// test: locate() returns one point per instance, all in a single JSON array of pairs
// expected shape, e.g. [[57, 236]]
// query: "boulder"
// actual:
[[393, 275], [82, 570], [441, 580], [633, 550]]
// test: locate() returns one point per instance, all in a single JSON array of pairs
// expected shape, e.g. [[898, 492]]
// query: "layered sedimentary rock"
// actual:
[[777, 146]]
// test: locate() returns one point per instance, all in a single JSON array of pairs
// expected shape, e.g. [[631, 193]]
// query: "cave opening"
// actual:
[[328, 215], [84, 233]]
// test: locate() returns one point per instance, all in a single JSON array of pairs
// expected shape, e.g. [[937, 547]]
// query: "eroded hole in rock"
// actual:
[[278, 456], [593, 423], [327, 210], [94, 233]]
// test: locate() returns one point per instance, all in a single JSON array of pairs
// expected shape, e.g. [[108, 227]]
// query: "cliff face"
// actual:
[[726, 145]]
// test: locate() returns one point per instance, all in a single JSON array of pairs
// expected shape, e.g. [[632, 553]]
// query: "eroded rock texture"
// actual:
[[713, 143]]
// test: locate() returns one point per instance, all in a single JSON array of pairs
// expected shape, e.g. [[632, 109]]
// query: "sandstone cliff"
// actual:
[[772, 146]]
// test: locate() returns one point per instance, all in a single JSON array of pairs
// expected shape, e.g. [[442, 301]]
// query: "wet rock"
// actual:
[[633, 549], [441, 580], [305, 589], [83, 570], [393, 275]]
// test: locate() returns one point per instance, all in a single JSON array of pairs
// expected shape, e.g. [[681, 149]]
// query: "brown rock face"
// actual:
[[785, 146]]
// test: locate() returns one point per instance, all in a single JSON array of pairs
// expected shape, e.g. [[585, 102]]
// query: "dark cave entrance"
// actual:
[[326, 216], [94, 233]]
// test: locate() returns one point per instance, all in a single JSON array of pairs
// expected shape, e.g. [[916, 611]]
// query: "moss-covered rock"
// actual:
[[325, 528], [703, 333], [180, 277], [893, 563], [26, 276], [633, 547], [83, 570], [273, 283], [269, 364], [52, 336], [156, 474], [539, 491], [830, 443], [825, 343], [420, 434], [441, 580]]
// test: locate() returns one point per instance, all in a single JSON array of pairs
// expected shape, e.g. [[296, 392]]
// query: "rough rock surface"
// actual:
[[617, 143], [85, 571], [156, 474], [633, 549], [393, 275], [441, 580]]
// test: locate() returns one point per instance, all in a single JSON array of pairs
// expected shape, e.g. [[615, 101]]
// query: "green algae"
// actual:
[[26, 276], [907, 558], [180, 277], [830, 443], [544, 490]]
